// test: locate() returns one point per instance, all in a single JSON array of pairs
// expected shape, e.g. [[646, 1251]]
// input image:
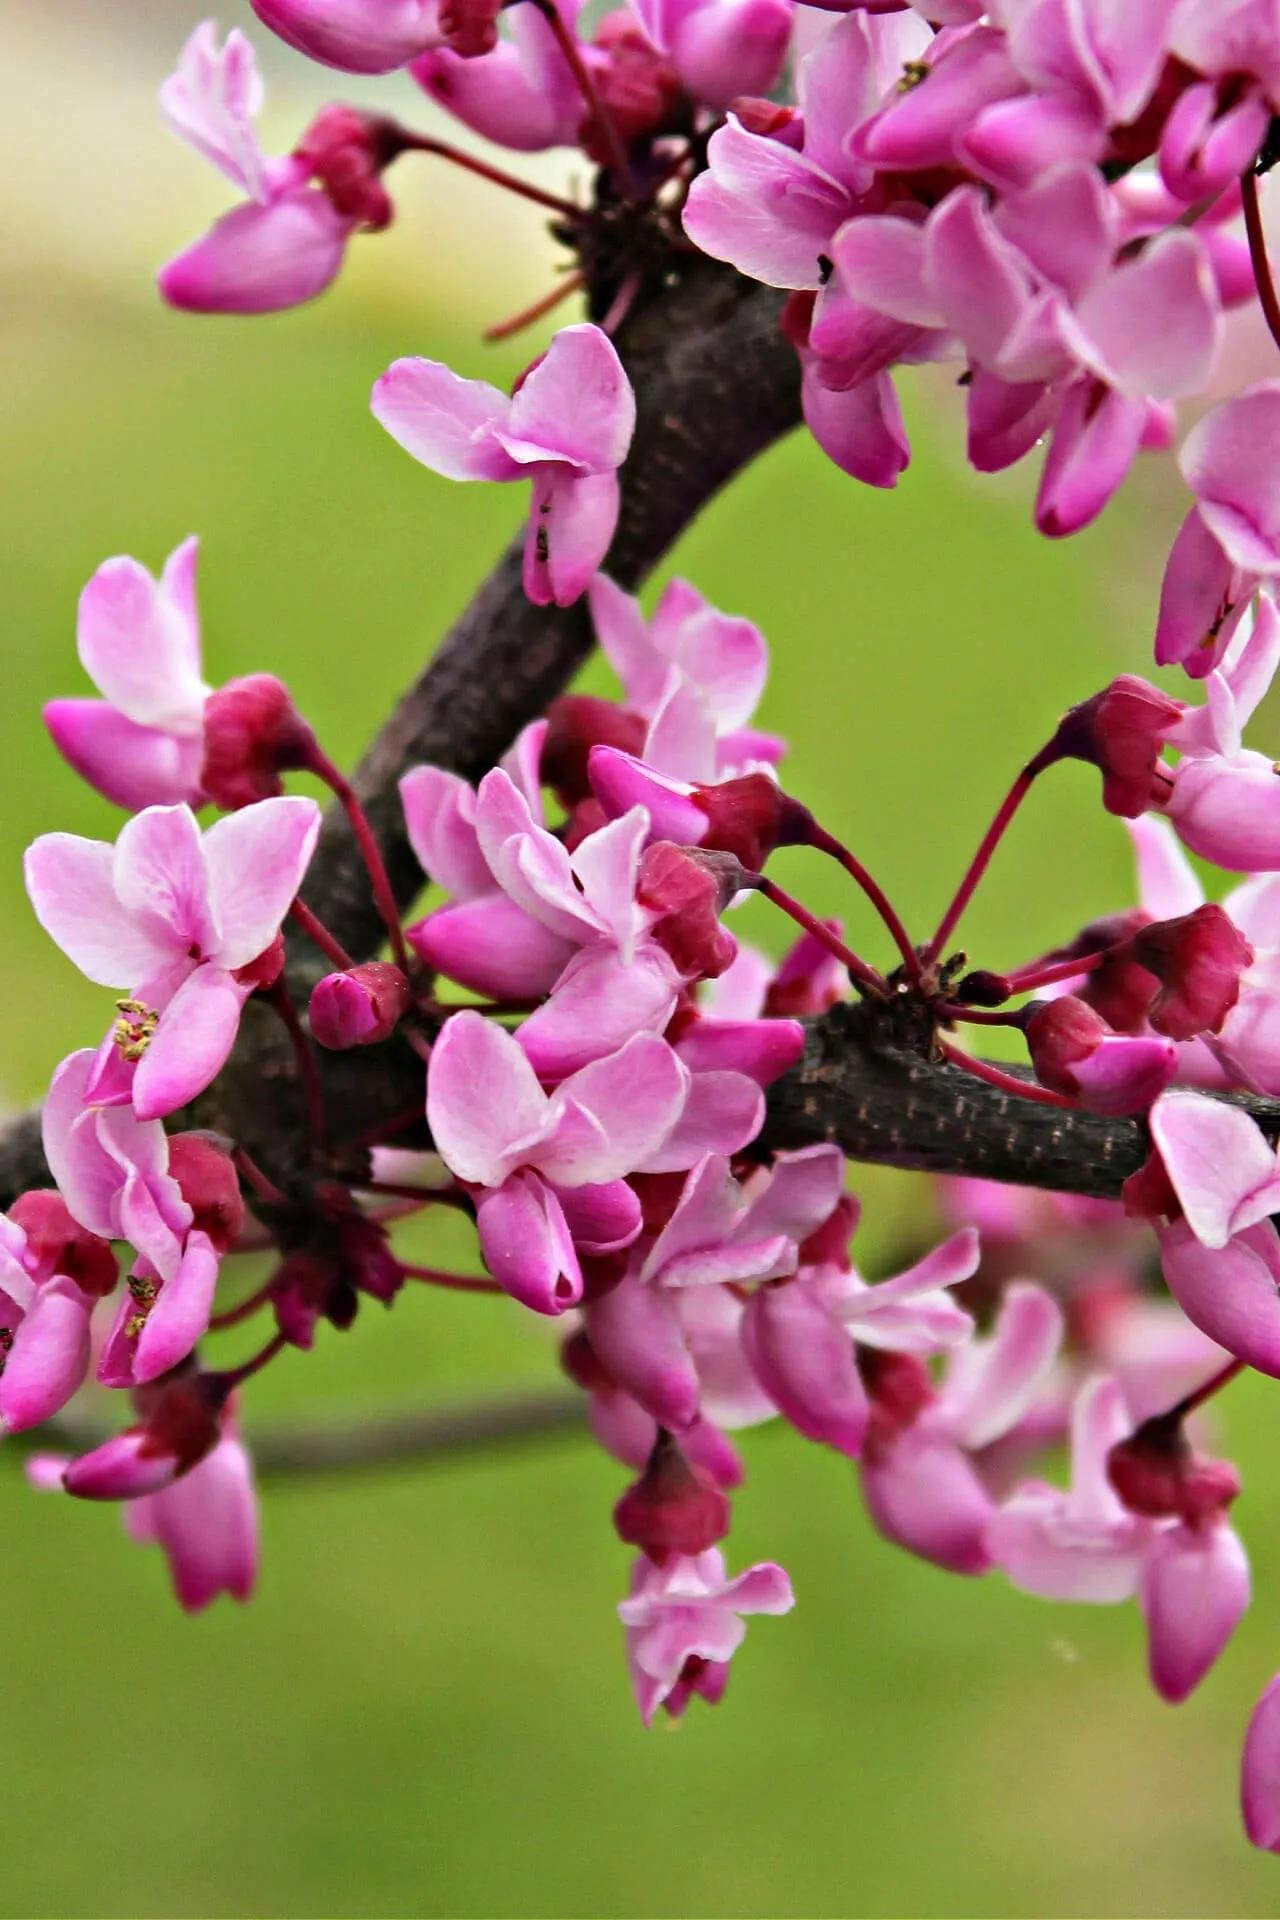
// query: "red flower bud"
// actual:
[[1157, 1473], [252, 732], [359, 1007], [1148, 1194], [61, 1245], [207, 1177], [347, 151], [672, 1507], [1198, 960], [1121, 732], [576, 722], [688, 890], [637, 87], [750, 816]]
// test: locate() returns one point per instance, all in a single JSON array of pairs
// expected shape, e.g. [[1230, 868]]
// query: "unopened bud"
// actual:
[[1121, 732], [346, 151], [687, 890], [1076, 1053], [576, 722], [359, 1007], [60, 1244], [207, 1178], [1198, 959], [183, 1424], [672, 1508], [252, 732], [636, 85]]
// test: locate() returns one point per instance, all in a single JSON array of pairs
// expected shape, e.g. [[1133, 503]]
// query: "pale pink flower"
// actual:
[[567, 428], [174, 918], [684, 1624], [206, 1524]]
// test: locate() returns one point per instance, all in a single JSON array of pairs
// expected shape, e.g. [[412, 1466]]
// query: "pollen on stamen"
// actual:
[[134, 1029]]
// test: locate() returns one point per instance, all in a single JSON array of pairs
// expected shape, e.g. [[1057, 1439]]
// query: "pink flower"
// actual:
[[1231, 538], [139, 641], [684, 1624], [52, 1272], [921, 1472], [567, 428], [523, 93], [174, 917], [206, 1524], [720, 48], [1260, 1771], [356, 36], [1075, 1052], [286, 243], [1193, 1590]]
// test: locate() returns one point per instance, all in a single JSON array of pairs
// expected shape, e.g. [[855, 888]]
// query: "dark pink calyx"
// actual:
[[1121, 731], [673, 1508], [750, 816], [576, 722], [1198, 960], [687, 890], [346, 151], [252, 733], [207, 1177], [59, 1244], [1157, 1473]]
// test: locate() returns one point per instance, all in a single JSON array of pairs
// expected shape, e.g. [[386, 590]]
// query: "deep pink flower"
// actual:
[[521, 94], [684, 1624], [720, 48], [173, 917], [52, 1272], [1260, 1771], [567, 428], [356, 36]]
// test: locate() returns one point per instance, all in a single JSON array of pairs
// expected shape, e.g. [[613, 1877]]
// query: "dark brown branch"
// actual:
[[897, 1108]]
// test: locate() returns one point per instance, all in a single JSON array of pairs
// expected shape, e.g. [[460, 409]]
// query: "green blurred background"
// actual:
[[425, 1710]]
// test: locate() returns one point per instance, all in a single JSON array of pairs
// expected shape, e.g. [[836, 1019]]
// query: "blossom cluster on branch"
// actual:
[[1060, 197]]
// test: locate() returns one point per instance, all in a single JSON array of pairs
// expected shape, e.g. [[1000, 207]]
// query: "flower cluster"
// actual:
[[1048, 195]]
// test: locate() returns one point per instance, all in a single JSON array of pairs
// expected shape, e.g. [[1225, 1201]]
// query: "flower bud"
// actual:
[[182, 1424], [359, 1007], [204, 1171], [1193, 1589], [687, 890], [1157, 1474], [1198, 959], [1075, 1052], [346, 151], [252, 732], [637, 88], [1121, 732], [356, 36], [60, 1244], [672, 1508], [576, 722], [1148, 1194]]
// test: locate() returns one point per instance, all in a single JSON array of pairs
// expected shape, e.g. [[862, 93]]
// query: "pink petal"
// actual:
[[527, 1246], [881, 262], [602, 1218], [1167, 883], [995, 1382], [261, 259], [493, 947], [735, 48], [576, 405], [356, 36], [70, 884], [257, 859], [84, 1172], [571, 524], [160, 876], [482, 1097], [1172, 277], [620, 781], [212, 100], [597, 1005], [130, 765], [633, 1096], [207, 1524], [636, 1332], [860, 428], [624, 640], [137, 647], [1193, 1591], [180, 1315], [121, 1469], [497, 97], [801, 1192], [1260, 1773], [923, 1495], [1228, 810], [764, 208], [1229, 458], [1096, 437], [1229, 1292], [723, 1113], [1222, 1169], [1199, 581], [49, 1357], [191, 1044], [447, 423], [440, 812], [762, 1049], [804, 1360], [977, 278]]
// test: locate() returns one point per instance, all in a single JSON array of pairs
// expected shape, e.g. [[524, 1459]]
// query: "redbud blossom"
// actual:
[[359, 1007]]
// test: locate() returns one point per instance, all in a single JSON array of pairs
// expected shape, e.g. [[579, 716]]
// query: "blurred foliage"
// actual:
[[425, 1712]]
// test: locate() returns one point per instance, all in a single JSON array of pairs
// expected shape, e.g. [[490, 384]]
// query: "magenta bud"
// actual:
[[359, 1007], [1121, 732], [1198, 959], [576, 722], [687, 890], [203, 1170], [1194, 1588], [803, 1358], [60, 1244], [673, 1508], [346, 151], [1075, 1052], [252, 732]]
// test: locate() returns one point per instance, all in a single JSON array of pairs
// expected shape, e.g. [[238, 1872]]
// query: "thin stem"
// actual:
[[387, 1129], [278, 997], [1214, 1384], [568, 45], [319, 763], [1027, 979], [865, 975], [827, 843], [548, 303], [316, 931], [1007, 1082], [1258, 252], [623, 301], [418, 1041], [425, 1196], [262, 1183], [979, 1016], [982, 858], [420, 143], [244, 1310], [460, 1282]]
